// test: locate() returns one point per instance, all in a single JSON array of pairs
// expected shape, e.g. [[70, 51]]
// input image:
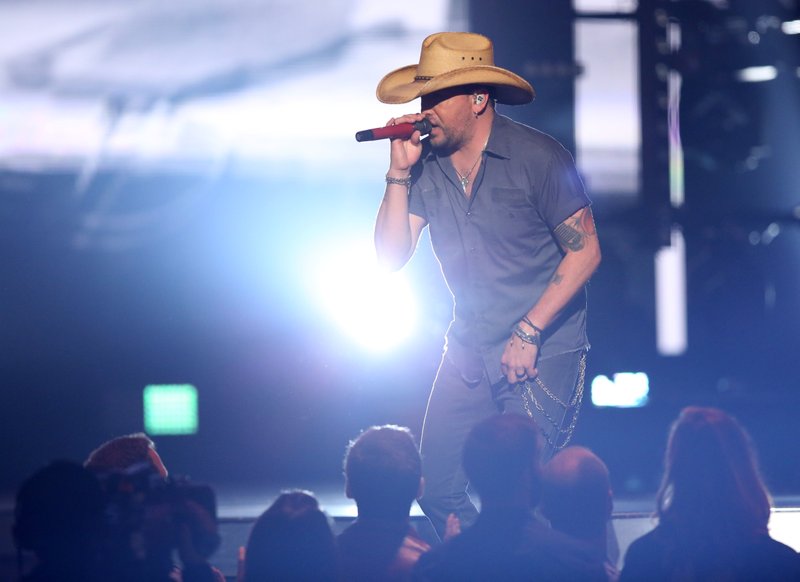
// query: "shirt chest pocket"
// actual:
[[516, 225]]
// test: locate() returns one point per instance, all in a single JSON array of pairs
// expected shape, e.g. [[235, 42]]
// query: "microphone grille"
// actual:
[[424, 126]]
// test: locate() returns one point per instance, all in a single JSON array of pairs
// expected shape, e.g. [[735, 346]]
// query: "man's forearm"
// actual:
[[578, 238], [575, 269], [393, 236]]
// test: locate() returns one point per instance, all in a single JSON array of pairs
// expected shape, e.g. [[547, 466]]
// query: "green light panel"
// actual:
[[170, 409]]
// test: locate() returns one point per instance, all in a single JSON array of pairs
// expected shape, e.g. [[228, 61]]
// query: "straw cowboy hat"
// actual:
[[451, 59]]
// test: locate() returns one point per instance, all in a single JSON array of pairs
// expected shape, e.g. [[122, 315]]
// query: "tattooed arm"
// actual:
[[578, 238]]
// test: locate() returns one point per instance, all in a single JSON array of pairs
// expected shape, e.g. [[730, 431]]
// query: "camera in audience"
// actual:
[[145, 511]]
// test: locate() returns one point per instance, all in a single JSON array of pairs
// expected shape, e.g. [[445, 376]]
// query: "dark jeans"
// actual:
[[455, 406]]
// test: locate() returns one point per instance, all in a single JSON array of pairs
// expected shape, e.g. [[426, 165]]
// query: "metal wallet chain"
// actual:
[[574, 404]]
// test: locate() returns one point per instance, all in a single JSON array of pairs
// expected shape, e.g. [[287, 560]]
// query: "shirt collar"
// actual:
[[499, 143]]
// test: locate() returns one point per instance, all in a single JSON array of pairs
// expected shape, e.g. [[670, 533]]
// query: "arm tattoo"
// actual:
[[557, 278], [569, 238], [571, 234]]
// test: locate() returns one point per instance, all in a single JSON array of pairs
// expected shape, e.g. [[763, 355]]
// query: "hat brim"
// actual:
[[399, 86]]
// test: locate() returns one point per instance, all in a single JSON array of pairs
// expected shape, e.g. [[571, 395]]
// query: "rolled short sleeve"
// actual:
[[562, 191]]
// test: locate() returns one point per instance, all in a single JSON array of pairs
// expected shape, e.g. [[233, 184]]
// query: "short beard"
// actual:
[[446, 149]]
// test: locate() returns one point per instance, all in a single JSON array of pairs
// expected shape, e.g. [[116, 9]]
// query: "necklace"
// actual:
[[464, 178]]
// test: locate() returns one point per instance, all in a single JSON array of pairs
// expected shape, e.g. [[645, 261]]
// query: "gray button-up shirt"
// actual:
[[496, 248]]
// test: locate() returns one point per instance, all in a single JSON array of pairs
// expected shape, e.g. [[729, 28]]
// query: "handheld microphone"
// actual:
[[403, 130]]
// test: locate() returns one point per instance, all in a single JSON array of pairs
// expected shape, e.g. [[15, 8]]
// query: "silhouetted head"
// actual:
[[59, 514], [291, 540], [711, 478], [501, 459], [576, 493], [383, 470], [125, 452]]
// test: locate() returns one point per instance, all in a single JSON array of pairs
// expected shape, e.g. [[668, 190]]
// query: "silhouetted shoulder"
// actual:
[[533, 551], [663, 555]]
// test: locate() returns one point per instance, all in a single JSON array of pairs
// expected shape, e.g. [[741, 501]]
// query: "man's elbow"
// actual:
[[391, 260], [588, 258], [595, 258]]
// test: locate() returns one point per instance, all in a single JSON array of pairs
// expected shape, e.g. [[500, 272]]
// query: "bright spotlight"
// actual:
[[374, 307]]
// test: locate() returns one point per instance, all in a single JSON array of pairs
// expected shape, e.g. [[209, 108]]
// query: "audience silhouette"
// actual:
[[58, 516], [712, 508], [291, 540], [502, 460], [577, 500], [152, 516], [383, 475], [121, 518]]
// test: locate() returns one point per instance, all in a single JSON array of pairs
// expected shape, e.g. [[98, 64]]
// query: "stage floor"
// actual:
[[237, 502]]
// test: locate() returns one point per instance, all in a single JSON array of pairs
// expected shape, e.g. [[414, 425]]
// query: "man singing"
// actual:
[[512, 228]]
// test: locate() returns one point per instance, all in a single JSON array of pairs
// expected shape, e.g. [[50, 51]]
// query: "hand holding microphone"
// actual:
[[402, 130]]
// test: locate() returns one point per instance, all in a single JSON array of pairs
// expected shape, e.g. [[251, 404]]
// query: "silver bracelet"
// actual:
[[529, 338], [401, 181]]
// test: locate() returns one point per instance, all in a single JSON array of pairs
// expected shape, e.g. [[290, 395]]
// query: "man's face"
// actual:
[[450, 113]]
